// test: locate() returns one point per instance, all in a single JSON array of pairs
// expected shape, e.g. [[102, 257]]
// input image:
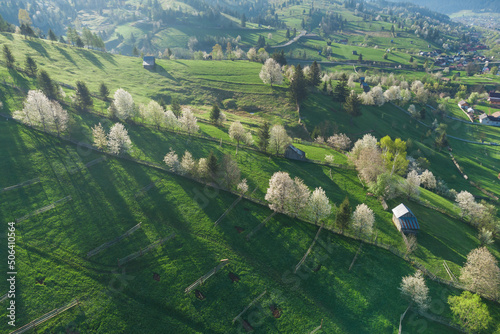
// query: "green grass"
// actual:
[[53, 245]]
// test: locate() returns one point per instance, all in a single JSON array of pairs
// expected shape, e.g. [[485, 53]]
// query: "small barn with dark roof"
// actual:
[[148, 62], [494, 98], [294, 153], [404, 219]]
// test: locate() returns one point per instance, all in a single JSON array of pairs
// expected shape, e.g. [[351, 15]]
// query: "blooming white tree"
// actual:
[[411, 184], [393, 93], [405, 96], [428, 180], [171, 159], [415, 290], [367, 99], [339, 141], [318, 206], [363, 219], [413, 111], [171, 122], [154, 113], [271, 72], [124, 104], [297, 199], [278, 193], [238, 134], [416, 86], [481, 273], [100, 137], [252, 54], [368, 141], [118, 139], [188, 122], [188, 164], [466, 202], [329, 158], [278, 139], [39, 111], [377, 94], [203, 170], [242, 186]]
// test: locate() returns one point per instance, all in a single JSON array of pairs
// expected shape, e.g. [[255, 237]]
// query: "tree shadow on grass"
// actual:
[[66, 55], [108, 57], [37, 46], [7, 35], [19, 79], [163, 72], [90, 57]]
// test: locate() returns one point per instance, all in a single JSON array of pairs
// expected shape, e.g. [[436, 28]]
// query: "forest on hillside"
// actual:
[[453, 6]]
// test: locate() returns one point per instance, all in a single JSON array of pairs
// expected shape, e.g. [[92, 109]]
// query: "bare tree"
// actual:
[[481, 273], [411, 244], [171, 122], [229, 173]]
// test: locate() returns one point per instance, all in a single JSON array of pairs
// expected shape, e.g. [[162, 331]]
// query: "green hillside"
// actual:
[[110, 197]]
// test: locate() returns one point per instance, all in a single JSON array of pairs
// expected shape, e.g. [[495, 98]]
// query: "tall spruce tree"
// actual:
[[343, 215], [46, 85], [341, 91], [298, 85], [264, 136], [52, 36], [176, 107], [213, 165], [314, 75], [353, 105], [214, 113], [30, 66], [83, 99], [7, 55], [103, 91]]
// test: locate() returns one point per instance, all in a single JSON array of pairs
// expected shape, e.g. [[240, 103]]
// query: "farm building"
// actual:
[[148, 62], [294, 153], [354, 53], [404, 220], [463, 105], [489, 120], [494, 98]]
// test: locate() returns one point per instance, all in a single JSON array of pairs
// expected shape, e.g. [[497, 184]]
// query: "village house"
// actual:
[[493, 120], [494, 98]]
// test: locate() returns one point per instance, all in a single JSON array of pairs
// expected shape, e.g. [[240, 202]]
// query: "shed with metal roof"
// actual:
[[404, 219]]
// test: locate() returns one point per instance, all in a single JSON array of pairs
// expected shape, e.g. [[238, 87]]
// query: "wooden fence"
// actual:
[[144, 251], [111, 243], [20, 185], [228, 210], [4, 297], [249, 305], [89, 164], [44, 209], [45, 317], [205, 277]]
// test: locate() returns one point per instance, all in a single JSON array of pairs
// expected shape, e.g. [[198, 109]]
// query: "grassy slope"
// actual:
[[52, 246], [194, 82]]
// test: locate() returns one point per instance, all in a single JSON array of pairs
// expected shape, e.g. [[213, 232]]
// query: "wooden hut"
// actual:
[[404, 220], [294, 153]]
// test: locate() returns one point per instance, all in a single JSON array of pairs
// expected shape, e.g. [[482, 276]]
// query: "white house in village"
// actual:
[[493, 119]]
